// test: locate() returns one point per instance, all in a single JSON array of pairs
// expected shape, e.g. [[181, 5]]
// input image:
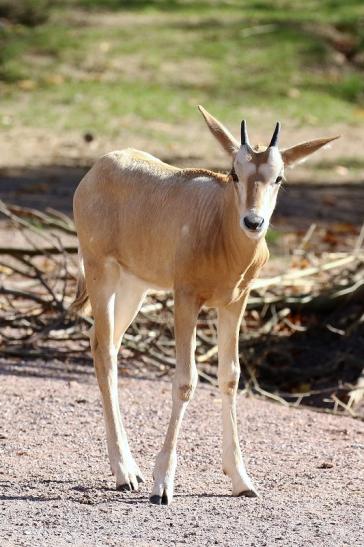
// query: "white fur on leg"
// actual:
[[115, 303], [233, 463], [166, 461], [184, 384], [228, 376], [163, 475], [128, 473]]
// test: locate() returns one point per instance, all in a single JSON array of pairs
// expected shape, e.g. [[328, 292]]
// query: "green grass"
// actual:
[[268, 59], [273, 237], [352, 163]]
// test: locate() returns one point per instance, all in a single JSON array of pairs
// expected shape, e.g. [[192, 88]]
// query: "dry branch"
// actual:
[[21, 251]]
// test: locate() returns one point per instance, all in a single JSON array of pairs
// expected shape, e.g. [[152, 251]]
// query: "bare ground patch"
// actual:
[[56, 487]]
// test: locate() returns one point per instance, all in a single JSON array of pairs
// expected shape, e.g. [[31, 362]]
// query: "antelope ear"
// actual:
[[299, 153], [224, 137]]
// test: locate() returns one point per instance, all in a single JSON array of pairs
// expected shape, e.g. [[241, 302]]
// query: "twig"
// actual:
[[39, 251], [28, 296], [210, 379], [289, 278], [269, 395], [39, 275], [359, 241], [22, 223], [207, 355], [305, 239], [42, 218], [338, 402]]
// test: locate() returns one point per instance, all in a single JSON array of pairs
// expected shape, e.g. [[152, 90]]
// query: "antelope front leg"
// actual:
[[228, 377], [184, 383]]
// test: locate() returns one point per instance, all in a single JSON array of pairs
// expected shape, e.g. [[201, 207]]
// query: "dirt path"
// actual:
[[56, 487], [190, 145]]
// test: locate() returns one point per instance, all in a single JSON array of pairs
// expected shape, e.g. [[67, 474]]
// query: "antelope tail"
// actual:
[[81, 300]]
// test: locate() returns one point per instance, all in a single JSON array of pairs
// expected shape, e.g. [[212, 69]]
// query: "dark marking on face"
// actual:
[[255, 190], [252, 192]]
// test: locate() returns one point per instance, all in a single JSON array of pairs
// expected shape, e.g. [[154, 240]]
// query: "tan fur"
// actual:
[[225, 138], [80, 302], [301, 151], [121, 207]]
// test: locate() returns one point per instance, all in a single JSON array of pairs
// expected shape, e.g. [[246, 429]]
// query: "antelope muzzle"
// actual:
[[253, 222]]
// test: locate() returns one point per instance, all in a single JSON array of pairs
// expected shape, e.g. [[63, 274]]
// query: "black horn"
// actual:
[[244, 134], [274, 140]]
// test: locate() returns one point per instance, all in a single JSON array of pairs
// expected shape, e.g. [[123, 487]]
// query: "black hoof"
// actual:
[[139, 479], [248, 494], [159, 500], [124, 488], [156, 500]]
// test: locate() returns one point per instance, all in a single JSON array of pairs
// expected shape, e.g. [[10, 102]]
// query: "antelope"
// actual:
[[143, 224]]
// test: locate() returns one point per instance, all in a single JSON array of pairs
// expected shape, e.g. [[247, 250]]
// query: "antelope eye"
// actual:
[[278, 180]]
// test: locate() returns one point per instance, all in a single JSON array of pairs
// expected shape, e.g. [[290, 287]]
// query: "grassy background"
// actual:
[[97, 65]]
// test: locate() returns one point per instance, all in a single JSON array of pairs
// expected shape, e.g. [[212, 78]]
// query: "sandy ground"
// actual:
[[56, 487], [44, 147]]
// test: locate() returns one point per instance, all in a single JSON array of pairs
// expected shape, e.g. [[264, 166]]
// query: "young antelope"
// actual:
[[143, 224]]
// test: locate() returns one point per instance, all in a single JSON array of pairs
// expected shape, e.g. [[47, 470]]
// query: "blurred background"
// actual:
[[79, 78]]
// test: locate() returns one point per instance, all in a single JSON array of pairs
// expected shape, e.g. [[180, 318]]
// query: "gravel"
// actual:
[[56, 487]]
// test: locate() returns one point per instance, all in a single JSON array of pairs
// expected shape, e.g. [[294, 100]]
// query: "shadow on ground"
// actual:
[[316, 363], [51, 369]]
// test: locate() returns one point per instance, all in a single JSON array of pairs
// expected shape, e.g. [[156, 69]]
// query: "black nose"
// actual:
[[253, 222]]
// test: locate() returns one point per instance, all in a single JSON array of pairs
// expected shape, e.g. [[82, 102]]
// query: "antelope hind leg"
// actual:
[[115, 299]]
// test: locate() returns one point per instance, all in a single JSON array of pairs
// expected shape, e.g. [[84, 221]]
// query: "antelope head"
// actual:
[[258, 173]]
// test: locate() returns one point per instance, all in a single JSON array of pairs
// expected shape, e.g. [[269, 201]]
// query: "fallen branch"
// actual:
[[289, 278], [40, 251]]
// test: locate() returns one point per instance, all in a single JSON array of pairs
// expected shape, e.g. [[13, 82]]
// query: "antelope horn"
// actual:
[[274, 140], [244, 134]]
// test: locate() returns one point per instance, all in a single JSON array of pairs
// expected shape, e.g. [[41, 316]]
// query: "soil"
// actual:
[[34, 147], [56, 487]]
